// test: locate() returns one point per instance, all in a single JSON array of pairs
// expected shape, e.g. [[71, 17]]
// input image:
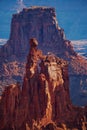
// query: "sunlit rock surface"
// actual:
[[41, 23], [43, 102]]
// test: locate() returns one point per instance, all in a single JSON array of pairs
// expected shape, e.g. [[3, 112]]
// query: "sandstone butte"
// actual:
[[41, 23], [43, 102]]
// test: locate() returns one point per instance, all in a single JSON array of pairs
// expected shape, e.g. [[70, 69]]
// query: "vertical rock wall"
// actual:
[[44, 101]]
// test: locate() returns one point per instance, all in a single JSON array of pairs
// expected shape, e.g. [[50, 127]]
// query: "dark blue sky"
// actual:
[[71, 16]]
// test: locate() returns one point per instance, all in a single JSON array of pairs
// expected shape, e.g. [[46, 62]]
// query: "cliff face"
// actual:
[[41, 23], [44, 101]]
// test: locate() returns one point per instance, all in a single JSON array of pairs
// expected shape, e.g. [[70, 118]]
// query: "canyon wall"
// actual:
[[43, 103]]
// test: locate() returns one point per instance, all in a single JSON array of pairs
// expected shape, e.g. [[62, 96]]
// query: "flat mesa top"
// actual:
[[38, 8]]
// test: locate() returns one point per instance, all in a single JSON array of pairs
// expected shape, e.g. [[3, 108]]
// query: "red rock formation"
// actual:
[[41, 23], [44, 101], [9, 105]]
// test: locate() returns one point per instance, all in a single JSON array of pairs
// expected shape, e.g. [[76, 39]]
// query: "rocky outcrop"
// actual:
[[8, 106], [41, 23], [43, 103]]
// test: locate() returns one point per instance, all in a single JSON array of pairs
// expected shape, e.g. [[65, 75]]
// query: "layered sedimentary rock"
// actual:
[[41, 23], [43, 103]]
